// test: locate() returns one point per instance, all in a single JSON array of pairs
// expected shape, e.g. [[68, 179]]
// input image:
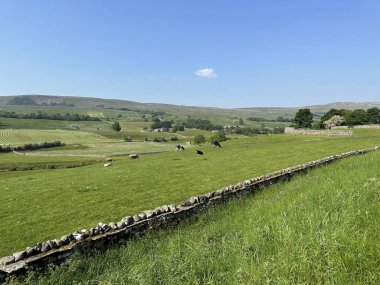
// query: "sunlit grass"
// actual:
[[45, 204], [319, 228]]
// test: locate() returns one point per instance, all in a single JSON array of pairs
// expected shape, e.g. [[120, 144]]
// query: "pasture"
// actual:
[[81, 143], [44, 204], [319, 228]]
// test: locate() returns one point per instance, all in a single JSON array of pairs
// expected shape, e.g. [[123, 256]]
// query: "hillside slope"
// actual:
[[99, 104]]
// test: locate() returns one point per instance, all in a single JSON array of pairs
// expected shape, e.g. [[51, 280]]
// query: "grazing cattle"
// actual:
[[179, 147], [199, 152], [107, 164], [215, 144], [109, 159], [134, 155]]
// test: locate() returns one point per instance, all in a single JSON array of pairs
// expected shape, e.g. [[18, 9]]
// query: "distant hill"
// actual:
[[31, 103], [344, 105]]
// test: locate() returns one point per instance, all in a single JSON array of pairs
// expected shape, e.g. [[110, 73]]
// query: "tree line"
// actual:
[[41, 115], [31, 146], [337, 117]]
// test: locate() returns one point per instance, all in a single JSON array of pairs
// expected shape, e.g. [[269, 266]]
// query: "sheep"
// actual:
[[109, 159], [107, 164], [134, 155]]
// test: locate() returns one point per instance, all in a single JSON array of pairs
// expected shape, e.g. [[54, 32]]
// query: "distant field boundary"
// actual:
[[102, 235], [293, 131]]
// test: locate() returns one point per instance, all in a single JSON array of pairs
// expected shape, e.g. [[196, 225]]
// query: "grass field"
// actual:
[[319, 228], [44, 204]]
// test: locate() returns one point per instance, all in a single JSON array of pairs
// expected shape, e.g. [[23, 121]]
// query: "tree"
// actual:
[[116, 126], [303, 118], [241, 122], [219, 136], [356, 117], [373, 115], [332, 112], [199, 139], [333, 121]]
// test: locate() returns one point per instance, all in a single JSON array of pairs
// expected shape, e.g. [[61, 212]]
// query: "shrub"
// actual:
[[219, 136], [199, 139]]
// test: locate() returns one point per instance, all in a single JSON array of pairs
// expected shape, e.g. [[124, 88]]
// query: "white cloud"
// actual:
[[206, 72]]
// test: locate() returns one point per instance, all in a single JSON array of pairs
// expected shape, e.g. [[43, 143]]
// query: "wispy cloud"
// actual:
[[206, 72]]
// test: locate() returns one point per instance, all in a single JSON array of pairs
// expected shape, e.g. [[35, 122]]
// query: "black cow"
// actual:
[[199, 152], [215, 144], [179, 147]]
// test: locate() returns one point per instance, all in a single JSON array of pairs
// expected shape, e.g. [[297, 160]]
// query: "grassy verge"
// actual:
[[320, 228]]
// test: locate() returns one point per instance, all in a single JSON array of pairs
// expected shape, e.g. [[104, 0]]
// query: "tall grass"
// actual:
[[319, 228]]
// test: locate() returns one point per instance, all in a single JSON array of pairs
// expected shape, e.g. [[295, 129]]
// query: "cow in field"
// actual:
[[199, 152], [179, 147], [216, 144]]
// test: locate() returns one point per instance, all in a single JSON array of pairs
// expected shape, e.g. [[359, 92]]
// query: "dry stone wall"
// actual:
[[293, 131], [367, 126], [102, 235]]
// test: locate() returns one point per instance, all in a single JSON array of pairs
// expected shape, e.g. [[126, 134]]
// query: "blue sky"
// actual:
[[207, 53]]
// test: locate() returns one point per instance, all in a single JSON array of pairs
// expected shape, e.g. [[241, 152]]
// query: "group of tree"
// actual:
[[201, 124], [157, 124], [337, 117], [31, 146], [41, 115], [218, 136]]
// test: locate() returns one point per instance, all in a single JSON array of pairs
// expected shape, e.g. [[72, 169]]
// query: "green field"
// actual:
[[319, 228], [316, 229], [44, 204]]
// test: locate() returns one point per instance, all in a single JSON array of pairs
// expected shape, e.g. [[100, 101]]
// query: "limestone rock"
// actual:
[[142, 216], [128, 220], [51, 244], [19, 255], [149, 214], [78, 236], [172, 208], [30, 251], [85, 233], [157, 211], [7, 260], [121, 225], [65, 239], [136, 218], [45, 247], [58, 243], [38, 246], [113, 226]]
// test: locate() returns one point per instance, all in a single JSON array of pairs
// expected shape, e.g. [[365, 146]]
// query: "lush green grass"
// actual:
[[79, 143], [319, 228], [12, 161], [20, 137], [44, 204]]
